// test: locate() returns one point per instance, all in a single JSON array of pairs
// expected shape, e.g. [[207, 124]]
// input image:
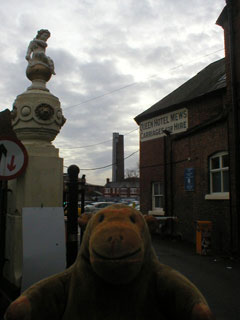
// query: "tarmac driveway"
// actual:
[[217, 277]]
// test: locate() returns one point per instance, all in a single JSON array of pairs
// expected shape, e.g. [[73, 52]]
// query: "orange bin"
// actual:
[[203, 237]]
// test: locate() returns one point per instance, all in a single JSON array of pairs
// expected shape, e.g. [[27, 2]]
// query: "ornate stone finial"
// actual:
[[37, 114], [40, 67]]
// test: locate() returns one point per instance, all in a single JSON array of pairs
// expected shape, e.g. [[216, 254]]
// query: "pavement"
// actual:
[[217, 276]]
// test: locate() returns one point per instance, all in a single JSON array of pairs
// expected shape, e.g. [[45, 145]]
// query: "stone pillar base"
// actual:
[[41, 185]]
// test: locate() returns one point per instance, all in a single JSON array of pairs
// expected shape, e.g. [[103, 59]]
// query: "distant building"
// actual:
[[127, 188], [120, 188], [92, 192]]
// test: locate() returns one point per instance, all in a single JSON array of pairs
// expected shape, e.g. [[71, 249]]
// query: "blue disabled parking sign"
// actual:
[[189, 179]]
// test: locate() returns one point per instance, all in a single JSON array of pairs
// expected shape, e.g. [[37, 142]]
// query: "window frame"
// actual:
[[218, 195], [160, 194], [107, 190]]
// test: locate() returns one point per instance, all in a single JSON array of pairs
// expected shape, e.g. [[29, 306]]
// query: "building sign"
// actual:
[[175, 122], [189, 179]]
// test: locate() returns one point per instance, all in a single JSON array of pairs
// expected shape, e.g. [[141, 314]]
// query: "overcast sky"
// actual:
[[113, 60]]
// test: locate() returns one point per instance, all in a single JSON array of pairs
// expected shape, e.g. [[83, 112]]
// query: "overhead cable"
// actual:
[[96, 144], [135, 83], [109, 165]]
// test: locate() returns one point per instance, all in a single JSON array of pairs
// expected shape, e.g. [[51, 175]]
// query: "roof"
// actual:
[[208, 80], [132, 183]]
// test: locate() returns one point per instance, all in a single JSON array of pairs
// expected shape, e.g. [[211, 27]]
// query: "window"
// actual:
[[219, 173], [123, 191], [157, 196], [107, 190], [133, 190]]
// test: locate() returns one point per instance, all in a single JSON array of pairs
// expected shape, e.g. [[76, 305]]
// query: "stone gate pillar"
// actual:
[[36, 118]]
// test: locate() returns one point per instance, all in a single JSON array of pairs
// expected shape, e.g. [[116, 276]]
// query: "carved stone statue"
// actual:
[[37, 113], [40, 67], [36, 51]]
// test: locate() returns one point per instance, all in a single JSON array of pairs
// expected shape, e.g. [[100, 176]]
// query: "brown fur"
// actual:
[[116, 276]]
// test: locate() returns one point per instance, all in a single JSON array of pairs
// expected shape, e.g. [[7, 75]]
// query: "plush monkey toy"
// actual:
[[116, 276]]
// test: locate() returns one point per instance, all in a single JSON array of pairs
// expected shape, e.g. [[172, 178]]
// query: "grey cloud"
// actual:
[[91, 54]]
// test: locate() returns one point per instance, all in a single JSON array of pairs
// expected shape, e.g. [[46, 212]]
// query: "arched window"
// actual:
[[219, 173]]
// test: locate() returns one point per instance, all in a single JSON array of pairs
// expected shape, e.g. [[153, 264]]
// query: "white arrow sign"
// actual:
[[13, 158]]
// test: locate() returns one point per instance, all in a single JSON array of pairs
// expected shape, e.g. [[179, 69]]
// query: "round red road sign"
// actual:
[[13, 158]]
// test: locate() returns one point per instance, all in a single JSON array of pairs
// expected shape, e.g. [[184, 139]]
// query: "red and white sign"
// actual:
[[13, 158]]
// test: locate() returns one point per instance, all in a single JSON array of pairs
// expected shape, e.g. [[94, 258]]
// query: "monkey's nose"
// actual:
[[116, 238]]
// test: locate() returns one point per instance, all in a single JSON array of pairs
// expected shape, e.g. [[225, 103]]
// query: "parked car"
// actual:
[[137, 207], [100, 205], [89, 208]]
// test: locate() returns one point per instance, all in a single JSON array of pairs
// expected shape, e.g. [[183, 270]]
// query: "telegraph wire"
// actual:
[[102, 95], [103, 167], [96, 144], [206, 55], [116, 90], [135, 83], [121, 88]]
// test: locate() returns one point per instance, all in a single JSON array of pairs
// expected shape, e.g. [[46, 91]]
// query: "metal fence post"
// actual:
[[72, 215]]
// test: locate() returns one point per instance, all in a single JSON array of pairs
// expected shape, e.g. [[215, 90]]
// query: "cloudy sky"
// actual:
[[113, 60]]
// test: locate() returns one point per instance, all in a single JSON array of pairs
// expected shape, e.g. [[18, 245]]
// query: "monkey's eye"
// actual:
[[132, 219], [101, 218]]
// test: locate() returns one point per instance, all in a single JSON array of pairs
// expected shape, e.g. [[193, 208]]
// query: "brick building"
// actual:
[[189, 142], [125, 189], [92, 192]]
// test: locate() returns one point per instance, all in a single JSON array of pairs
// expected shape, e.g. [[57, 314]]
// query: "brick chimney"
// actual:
[[118, 157]]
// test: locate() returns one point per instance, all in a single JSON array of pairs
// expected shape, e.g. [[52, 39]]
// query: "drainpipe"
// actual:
[[230, 200], [168, 134], [165, 176]]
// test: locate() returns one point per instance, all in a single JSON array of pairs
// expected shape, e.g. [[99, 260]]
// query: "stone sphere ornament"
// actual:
[[26, 110]]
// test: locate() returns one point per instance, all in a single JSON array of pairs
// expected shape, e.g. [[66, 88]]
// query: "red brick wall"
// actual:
[[151, 170], [191, 151], [191, 206]]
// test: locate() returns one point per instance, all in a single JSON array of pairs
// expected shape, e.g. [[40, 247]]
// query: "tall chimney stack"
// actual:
[[118, 158]]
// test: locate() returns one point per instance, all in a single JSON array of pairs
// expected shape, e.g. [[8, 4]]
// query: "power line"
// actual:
[[96, 144], [206, 55], [135, 83], [102, 95], [109, 165]]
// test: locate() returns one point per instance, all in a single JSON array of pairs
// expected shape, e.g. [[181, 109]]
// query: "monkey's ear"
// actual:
[[152, 223], [20, 309], [83, 219], [202, 312]]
